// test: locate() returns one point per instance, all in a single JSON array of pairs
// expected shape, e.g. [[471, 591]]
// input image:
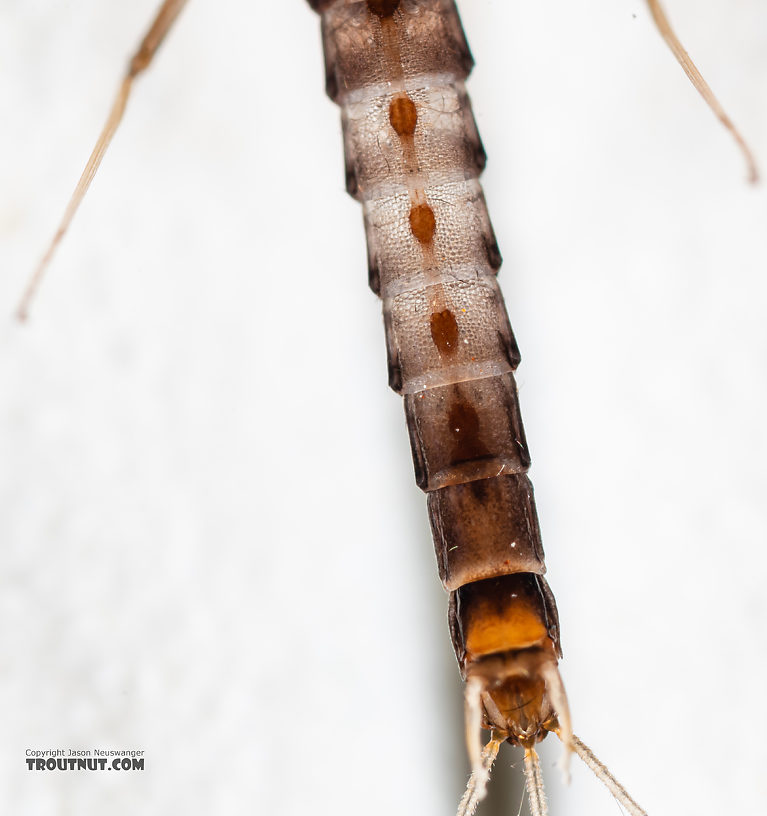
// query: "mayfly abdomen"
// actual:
[[413, 158]]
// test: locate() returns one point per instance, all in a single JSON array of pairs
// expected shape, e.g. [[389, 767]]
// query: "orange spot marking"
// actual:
[[403, 115], [444, 331], [464, 431], [422, 223]]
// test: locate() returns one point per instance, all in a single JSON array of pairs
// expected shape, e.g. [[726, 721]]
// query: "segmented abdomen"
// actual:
[[413, 158]]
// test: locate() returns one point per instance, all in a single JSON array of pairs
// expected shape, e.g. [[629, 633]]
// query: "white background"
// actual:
[[212, 546]]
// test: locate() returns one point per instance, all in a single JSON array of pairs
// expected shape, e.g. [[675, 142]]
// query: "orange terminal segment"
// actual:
[[501, 615]]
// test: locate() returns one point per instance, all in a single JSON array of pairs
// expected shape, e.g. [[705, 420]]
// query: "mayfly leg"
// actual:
[[139, 62], [672, 40]]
